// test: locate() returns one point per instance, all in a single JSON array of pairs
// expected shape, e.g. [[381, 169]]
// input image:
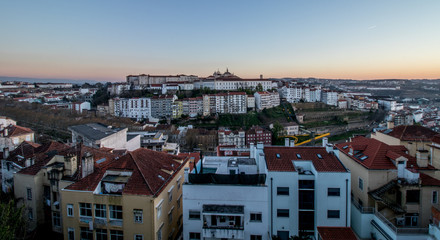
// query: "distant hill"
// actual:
[[45, 80]]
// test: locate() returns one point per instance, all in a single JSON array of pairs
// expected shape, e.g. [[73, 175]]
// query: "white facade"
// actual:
[[139, 108], [329, 98], [235, 138], [266, 100], [224, 210], [388, 104]]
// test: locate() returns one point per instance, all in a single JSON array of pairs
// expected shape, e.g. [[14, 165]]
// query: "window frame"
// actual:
[[283, 213], [256, 217], [196, 237], [138, 214], [192, 213], [281, 191], [70, 210], [56, 218], [115, 210], [86, 209], [361, 184], [333, 193], [434, 193], [101, 231], [116, 234], [332, 214], [100, 210], [29, 193]]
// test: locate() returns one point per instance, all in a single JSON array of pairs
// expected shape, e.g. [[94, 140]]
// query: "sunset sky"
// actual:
[[107, 40]]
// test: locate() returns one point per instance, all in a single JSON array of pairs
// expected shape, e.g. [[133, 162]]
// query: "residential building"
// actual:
[[266, 100], [388, 104], [329, 97], [291, 128], [16, 134], [177, 109], [230, 102], [309, 188], [292, 94], [251, 101], [98, 135], [412, 137], [235, 138], [162, 106], [138, 108], [80, 106], [138, 196], [392, 191], [257, 134], [226, 198]]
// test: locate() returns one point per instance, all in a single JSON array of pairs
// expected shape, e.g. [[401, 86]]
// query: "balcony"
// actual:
[[219, 232]]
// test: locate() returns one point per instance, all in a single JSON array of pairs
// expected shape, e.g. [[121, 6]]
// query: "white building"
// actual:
[[230, 102], [228, 199], [292, 94], [388, 104], [266, 100], [310, 188], [227, 137], [80, 106], [98, 135], [139, 108], [329, 97]]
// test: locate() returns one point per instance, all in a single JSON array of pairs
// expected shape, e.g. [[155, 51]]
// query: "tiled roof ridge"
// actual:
[[403, 132], [142, 174]]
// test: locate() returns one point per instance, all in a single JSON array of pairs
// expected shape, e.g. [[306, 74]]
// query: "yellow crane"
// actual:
[[295, 137]]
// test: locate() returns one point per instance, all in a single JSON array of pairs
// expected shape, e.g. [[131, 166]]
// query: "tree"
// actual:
[[12, 223], [277, 130], [259, 88]]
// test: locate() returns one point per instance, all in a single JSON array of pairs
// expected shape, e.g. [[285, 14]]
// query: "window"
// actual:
[[256, 217], [194, 215], [194, 235], [100, 211], [434, 197], [70, 234], [332, 213], [138, 217], [30, 214], [29, 193], [306, 184], [86, 233], [179, 200], [361, 184], [115, 212], [178, 182], [282, 212], [56, 219], [283, 191], [256, 237], [85, 209], [101, 234], [412, 196], [170, 216], [334, 192], [116, 235], [70, 210], [138, 237], [159, 233], [159, 210], [170, 194]]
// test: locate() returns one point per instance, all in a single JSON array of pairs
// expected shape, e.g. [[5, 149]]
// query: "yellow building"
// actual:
[[137, 196], [400, 187]]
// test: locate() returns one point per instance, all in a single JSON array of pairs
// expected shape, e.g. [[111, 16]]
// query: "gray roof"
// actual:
[[94, 131]]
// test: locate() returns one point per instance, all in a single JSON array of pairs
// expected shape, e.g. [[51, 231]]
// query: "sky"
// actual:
[[107, 40]]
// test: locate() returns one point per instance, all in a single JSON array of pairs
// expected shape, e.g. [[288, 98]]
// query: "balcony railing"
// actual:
[[400, 230], [223, 233]]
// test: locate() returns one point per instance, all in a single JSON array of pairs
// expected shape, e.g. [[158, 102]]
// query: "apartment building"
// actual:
[[162, 106], [16, 134], [98, 135], [266, 100], [231, 102], [233, 138], [226, 198], [138, 196], [329, 97], [257, 134], [138, 108], [309, 188], [292, 94], [392, 191], [413, 137], [177, 109], [192, 106]]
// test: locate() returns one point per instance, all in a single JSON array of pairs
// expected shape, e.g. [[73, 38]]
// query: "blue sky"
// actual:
[[107, 40]]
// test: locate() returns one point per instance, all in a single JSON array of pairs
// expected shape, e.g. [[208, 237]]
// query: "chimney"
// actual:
[[324, 142], [5, 152], [292, 143], [422, 157], [286, 142], [87, 165], [186, 175]]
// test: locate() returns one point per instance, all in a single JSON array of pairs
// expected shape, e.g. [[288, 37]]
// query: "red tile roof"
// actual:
[[428, 181], [193, 159], [14, 131], [436, 139], [412, 133], [378, 155], [42, 156], [283, 163], [336, 233], [149, 172]]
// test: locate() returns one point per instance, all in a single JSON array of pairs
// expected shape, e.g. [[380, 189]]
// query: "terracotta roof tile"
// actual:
[[428, 181], [14, 130], [336, 233], [412, 133], [280, 159], [150, 172]]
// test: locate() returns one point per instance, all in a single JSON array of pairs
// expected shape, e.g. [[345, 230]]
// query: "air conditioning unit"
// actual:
[[400, 221]]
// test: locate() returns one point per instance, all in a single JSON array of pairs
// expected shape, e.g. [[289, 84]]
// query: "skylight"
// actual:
[[345, 147], [278, 155], [319, 156], [364, 157], [298, 155]]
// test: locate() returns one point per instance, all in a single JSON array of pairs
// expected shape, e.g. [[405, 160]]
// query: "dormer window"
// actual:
[[298, 156]]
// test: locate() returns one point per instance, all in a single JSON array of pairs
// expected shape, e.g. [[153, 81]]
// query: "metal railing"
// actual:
[[400, 230], [369, 210]]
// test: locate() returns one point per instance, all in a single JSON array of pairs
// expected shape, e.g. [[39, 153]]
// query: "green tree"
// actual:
[[12, 223], [259, 88], [277, 130]]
